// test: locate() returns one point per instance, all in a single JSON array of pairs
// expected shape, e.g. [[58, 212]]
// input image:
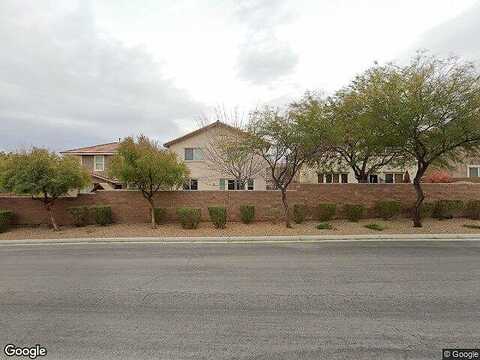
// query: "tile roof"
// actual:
[[102, 149], [198, 131]]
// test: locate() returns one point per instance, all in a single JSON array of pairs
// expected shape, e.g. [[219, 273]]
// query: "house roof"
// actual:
[[102, 149], [199, 131]]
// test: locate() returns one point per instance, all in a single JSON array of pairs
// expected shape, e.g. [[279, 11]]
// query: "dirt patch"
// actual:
[[340, 227]]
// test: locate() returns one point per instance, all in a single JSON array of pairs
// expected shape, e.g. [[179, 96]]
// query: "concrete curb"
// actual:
[[248, 239]]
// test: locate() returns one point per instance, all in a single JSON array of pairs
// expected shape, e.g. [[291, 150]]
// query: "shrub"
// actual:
[[446, 209], [299, 213], [247, 213], [472, 209], [426, 210], [103, 215], [438, 177], [160, 215], [6, 218], [326, 211], [471, 226], [189, 217], [353, 212], [274, 214], [387, 209], [80, 215], [376, 227], [324, 226], [218, 216]]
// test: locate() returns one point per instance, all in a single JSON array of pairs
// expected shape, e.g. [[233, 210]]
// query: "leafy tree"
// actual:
[[287, 140], [148, 168], [362, 146], [430, 109], [44, 175]]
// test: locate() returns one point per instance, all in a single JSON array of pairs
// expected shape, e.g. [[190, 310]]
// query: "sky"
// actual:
[[82, 72]]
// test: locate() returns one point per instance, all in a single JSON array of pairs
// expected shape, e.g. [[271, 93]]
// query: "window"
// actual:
[[233, 185], [193, 154], [251, 184], [473, 171], [334, 178], [393, 178], [373, 179], [99, 163], [191, 184]]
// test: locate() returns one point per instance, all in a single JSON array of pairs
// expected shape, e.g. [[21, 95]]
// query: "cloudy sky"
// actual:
[[80, 72]]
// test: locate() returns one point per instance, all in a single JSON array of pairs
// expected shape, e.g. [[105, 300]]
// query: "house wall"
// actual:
[[208, 177], [131, 207], [88, 163]]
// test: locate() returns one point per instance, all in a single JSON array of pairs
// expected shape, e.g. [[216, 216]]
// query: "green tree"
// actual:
[[44, 175], [288, 139], [430, 109], [143, 165], [362, 147]]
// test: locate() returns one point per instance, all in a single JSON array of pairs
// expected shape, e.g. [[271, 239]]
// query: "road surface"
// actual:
[[365, 300]]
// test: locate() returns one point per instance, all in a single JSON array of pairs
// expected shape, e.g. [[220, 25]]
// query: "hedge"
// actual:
[[247, 213], [353, 212], [189, 217], [472, 209], [218, 216], [103, 215], [6, 217], [299, 213], [387, 209], [326, 211], [446, 209], [160, 215], [80, 215]]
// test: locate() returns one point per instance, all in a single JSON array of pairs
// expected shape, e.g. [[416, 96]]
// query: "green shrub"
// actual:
[[189, 217], [471, 226], [426, 209], [446, 209], [376, 227], [326, 211], [387, 209], [324, 226], [247, 213], [299, 213], [103, 215], [80, 215], [353, 212], [6, 218], [160, 215], [472, 209], [218, 216]]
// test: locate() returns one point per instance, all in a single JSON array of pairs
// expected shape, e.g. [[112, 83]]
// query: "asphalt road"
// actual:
[[237, 301]]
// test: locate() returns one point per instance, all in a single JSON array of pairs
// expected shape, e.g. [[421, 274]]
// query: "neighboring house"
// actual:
[[96, 159], [192, 148]]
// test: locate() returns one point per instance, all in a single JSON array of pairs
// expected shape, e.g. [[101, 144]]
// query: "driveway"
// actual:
[[375, 300]]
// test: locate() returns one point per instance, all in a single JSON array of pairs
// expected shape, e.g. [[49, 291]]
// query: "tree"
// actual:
[[44, 175], [362, 146], [228, 154], [148, 168], [287, 140], [430, 108]]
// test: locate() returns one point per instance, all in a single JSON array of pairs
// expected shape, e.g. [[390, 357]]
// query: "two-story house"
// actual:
[[96, 160], [193, 149]]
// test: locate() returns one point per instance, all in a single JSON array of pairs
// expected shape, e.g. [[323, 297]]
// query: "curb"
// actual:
[[248, 239]]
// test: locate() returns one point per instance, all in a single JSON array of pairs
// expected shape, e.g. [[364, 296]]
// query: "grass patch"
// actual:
[[324, 226], [471, 226], [376, 227]]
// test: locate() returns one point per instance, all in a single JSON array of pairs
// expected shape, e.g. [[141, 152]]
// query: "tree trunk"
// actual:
[[417, 219], [362, 177], [152, 212], [285, 208], [49, 208]]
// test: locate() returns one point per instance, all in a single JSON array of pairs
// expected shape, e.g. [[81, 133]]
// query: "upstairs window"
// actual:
[[393, 178], [99, 163], [193, 154], [334, 178]]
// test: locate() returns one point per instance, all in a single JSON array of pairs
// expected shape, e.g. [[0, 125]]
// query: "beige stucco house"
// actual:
[[193, 149]]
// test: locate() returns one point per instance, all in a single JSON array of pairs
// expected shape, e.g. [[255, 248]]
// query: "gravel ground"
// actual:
[[340, 227]]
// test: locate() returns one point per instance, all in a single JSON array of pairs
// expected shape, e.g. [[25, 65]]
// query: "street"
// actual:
[[365, 300]]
